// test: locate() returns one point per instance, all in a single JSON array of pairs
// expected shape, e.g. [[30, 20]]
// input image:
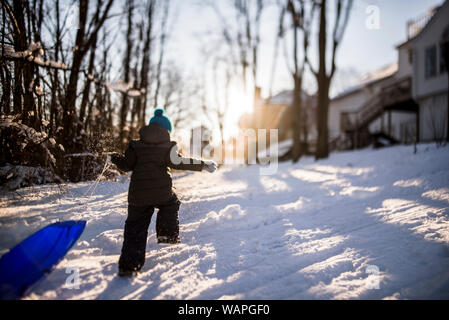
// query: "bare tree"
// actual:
[[178, 94], [301, 17], [162, 44], [242, 38], [221, 103], [239, 42], [145, 65], [324, 75], [23, 71], [221, 77], [87, 85], [85, 37], [126, 72]]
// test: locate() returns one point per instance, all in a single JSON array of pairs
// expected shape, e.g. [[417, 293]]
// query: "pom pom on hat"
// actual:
[[158, 112]]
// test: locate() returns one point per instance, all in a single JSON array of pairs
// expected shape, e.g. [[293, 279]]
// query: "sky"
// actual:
[[363, 50]]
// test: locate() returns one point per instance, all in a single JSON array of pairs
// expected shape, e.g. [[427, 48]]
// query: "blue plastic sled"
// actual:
[[30, 260]]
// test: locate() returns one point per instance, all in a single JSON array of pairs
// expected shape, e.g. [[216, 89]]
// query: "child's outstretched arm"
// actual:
[[176, 161], [125, 163]]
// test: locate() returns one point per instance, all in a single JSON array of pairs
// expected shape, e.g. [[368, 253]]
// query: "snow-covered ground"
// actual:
[[370, 224]]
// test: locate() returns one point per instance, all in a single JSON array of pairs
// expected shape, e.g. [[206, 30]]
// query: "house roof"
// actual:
[[284, 98], [403, 43], [369, 79]]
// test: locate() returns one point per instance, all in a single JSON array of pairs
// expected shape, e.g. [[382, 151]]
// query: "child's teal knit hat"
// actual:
[[161, 120]]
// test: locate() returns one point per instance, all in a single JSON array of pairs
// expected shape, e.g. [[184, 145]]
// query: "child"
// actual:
[[150, 160]]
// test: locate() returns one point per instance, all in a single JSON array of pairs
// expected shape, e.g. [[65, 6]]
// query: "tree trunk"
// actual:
[[161, 52], [55, 78], [24, 68], [83, 43], [37, 18], [69, 115], [134, 110], [297, 120], [142, 101], [322, 148], [126, 72], [6, 88], [86, 91]]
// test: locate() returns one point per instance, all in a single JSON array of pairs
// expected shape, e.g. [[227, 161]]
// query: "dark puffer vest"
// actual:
[[150, 160]]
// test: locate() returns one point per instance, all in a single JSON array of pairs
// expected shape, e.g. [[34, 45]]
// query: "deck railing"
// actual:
[[414, 26], [373, 108]]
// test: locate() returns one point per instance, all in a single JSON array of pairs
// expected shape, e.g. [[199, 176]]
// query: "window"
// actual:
[[444, 50], [410, 56], [431, 62]]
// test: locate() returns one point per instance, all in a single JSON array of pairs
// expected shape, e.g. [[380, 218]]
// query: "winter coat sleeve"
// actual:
[[125, 163], [176, 161]]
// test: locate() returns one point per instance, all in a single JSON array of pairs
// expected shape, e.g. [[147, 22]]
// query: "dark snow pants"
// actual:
[[136, 231]]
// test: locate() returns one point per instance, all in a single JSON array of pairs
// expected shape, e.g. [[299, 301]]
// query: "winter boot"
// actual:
[[163, 240], [128, 272]]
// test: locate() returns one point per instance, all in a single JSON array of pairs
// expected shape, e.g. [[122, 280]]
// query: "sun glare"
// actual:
[[240, 102]]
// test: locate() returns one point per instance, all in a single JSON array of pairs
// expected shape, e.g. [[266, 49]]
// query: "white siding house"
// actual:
[[430, 76], [407, 101], [355, 98], [404, 102]]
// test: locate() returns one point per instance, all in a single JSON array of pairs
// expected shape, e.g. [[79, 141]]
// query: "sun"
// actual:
[[240, 102]]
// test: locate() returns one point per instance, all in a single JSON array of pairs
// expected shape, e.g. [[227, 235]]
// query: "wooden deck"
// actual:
[[394, 97]]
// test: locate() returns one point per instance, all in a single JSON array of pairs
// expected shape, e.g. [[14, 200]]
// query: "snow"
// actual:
[[14, 177], [32, 54], [370, 78], [120, 86], [369, 224], [26, 135], [127, 88]]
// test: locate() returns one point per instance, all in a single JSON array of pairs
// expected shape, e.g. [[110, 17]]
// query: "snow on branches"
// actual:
[[33, 54], [126, 88], [26, 137], [29, 157], [15, 177]]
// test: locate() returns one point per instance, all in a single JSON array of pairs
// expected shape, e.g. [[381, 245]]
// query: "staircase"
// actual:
[[392, 97]]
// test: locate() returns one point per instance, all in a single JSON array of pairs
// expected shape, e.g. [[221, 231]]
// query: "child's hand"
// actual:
[[210, 166], [115, 157]]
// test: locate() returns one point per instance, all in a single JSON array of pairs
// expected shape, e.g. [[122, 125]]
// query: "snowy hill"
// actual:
[[333, 229]]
